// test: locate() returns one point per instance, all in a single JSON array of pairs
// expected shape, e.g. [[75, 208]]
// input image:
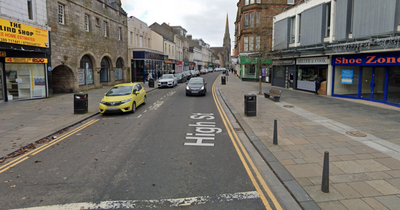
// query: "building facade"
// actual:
[[88, 43], [253, 36], [24, 50], [357, 55]]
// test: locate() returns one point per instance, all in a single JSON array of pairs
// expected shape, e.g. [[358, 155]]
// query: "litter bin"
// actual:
[[151, 82], [80, 103], [250, 105], [223, 80]]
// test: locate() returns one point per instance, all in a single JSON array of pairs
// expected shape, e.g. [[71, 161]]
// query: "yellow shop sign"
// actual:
[[17, 33]]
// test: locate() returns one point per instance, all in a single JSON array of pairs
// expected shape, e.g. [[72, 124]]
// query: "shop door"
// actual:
[[373, 83]]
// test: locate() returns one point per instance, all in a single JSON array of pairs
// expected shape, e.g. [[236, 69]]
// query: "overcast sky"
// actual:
[[205, 19]]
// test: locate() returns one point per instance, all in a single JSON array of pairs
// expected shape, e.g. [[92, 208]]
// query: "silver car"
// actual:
[[167, 80]]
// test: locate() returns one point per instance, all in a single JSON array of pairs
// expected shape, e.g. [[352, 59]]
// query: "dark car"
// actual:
[[187, 74], [181, 77], [196, 86]]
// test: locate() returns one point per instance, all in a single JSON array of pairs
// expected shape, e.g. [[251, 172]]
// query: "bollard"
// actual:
[[275, 140], [325, 174]]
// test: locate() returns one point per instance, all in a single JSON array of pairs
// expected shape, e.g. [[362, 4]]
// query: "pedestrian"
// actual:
[[318, 84]]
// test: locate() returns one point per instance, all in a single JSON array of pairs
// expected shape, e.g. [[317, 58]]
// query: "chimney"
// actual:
[[189, 37]]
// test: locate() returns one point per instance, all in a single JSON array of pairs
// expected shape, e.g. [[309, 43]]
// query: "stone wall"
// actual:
[[70, 41]]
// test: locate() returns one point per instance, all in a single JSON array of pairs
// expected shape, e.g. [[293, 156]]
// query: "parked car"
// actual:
[[197, 72], [123, 97], [181, 77], [196, 86], [203, 71], [193, 73], [167, 80], [187, 74]]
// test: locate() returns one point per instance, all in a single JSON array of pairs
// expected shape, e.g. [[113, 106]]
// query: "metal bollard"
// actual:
[[275, 140], [325, 174]]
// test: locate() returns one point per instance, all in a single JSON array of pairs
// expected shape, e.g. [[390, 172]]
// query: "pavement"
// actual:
[[362, 139]]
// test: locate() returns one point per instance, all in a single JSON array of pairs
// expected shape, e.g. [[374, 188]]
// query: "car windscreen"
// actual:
[[195, 82], [167, 76], [120, 91]]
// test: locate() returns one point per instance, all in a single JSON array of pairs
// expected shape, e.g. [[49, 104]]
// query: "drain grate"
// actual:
[[356, 134], [288, 106]]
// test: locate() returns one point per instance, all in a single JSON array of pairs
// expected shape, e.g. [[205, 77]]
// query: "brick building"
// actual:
[[253, 35], [88, 44]]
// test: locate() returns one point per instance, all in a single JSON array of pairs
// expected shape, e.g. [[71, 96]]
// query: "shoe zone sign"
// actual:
[[383, 59]]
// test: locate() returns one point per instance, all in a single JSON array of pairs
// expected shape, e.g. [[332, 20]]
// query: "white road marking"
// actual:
[[176, 202]]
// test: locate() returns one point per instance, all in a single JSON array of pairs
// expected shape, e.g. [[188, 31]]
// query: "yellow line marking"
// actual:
[[27, 155], [235, 139]]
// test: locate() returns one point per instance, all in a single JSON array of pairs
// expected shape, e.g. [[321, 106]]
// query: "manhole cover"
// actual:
[[356, 134], [288, 106]]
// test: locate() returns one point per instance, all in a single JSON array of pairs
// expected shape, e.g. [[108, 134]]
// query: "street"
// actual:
[[174, 151]]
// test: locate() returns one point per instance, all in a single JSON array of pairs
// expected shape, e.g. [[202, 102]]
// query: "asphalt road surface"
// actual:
[[173, 153]]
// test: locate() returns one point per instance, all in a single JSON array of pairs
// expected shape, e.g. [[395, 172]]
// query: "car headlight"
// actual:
[[187, 87], [126, 101], [202, 88], [102, 102]]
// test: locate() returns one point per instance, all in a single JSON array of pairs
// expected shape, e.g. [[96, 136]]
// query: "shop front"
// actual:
[[251, 67], [169, 66], [192, 65], [374, 77], [23, 61], [283, 73], [144, 63], [309, 70]]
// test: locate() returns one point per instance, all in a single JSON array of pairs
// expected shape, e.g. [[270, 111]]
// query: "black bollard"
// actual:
[[325, 174], [275, 140]]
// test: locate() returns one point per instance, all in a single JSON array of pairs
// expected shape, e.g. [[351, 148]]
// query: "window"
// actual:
[[118, 71], [98, 22], [30, 10], [105, 24], [251, 43], [328, 20], [299, 28], [292, 29], [259, 1], [137, 41], [165, 48], [105, 70], [141, 41], [258, 19], [246, 43], [87, 23], [85, 76], [149, 46], [119, 33], [246, 2], [251, 19], [131, 38], [257, 43], [246, 20], [351, 16], [251, 1], [290, 1], [61, 18]]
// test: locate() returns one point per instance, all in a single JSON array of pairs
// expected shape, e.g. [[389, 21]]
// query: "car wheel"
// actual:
[[145, 100], [133, 107]]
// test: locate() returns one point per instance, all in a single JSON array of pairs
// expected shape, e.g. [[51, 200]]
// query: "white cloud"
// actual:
[[204, 19]]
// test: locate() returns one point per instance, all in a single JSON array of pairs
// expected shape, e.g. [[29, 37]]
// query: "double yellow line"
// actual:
[[29, 154], [243, 155]]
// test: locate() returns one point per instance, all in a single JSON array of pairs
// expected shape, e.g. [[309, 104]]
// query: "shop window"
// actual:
[[252, 70], [105, 70], [118, 71], [279, 72], [25, 81], [85, 76], [393, 86], [346, 80]]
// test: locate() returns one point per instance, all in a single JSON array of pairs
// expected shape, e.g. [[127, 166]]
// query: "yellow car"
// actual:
[[123, 98]]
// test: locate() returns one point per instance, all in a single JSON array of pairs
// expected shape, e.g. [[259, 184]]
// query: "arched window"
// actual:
[[118, 71], [105, 70], [85, 71]]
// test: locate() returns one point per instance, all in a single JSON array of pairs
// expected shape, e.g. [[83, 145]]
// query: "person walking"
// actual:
[[318, 84]]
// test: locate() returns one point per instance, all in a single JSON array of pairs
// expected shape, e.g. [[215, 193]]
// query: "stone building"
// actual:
[[88, 44]]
